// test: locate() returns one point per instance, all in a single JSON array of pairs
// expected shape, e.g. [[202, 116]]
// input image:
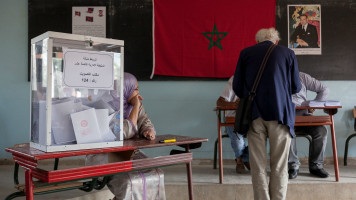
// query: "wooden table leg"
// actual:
[[221, 167], [189, 175], [29, 184], [333, 140]]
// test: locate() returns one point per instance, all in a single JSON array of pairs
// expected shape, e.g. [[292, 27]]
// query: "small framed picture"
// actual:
[[304, 29]]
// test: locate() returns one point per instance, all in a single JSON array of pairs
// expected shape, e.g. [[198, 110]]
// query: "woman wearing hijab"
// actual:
[[136, 124], [136, 121]]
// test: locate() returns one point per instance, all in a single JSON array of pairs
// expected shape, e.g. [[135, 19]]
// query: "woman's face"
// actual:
[[134, 93]]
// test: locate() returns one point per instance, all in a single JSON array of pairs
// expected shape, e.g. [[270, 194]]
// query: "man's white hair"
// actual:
[[270, 34]]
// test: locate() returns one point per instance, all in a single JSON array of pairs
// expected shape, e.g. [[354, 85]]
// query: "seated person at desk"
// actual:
[[237, 141], [318, 133], [136, 124], [136, 121]]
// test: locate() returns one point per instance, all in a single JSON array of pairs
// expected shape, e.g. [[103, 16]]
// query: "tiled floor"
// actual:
[[206, 184]]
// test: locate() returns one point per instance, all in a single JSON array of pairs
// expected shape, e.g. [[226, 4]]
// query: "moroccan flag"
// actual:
[[203, 38]]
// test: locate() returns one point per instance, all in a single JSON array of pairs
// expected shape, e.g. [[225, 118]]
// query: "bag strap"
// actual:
[[260, 71]]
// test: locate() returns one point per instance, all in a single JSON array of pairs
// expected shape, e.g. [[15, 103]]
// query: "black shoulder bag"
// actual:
[[243, 117]]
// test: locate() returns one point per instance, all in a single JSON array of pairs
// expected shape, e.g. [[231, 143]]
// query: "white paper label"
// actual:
[[88, 69], [89, 21]]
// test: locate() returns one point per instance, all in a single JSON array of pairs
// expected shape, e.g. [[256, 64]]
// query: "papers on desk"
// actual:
[[332, 103], [315, 103]]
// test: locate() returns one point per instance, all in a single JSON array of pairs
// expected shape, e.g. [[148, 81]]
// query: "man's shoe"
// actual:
[[240, 167], [319, 172], [247, 165], [293, 173]]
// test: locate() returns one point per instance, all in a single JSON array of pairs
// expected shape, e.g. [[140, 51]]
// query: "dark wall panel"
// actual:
[[131, 20], [128, 20], [338, 59]]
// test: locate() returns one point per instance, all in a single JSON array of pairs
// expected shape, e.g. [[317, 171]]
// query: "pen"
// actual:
[[165, 141]]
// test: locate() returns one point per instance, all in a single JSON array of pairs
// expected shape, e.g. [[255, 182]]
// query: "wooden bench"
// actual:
[[312, 120], [45, 188]]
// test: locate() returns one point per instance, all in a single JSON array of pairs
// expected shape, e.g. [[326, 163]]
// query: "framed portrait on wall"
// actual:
[[304, 29]]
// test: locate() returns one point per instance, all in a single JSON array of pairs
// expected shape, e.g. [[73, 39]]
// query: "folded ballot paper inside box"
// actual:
[[91, 126]]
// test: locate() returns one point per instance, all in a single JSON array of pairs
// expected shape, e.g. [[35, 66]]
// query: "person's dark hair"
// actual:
[[306, 16]]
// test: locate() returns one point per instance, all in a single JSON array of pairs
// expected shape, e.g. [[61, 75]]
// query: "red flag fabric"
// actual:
[[203, 38]]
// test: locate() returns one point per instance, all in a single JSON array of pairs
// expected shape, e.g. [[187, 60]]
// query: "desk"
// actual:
[[299, 121], [222, 121], [28, 157], [322, 120]]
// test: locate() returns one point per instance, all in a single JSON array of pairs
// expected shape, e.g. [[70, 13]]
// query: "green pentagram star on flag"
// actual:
[[218, 38]]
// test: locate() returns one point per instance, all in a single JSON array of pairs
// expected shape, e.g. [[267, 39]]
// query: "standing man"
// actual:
[[237, 141], [273, 112], [305, 34], [318, 133]]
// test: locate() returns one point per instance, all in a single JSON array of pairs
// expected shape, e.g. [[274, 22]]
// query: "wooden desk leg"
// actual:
[[189, 175], [221, 167], [333, 140], [29, 184]]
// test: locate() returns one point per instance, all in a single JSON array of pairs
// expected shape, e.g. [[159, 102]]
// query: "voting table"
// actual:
[[312, 120], [49, 181]]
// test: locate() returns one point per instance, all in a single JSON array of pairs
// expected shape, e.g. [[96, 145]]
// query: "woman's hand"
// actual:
[[136, 100], [149, 134]]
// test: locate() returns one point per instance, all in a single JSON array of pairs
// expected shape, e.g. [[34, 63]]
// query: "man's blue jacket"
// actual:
[[280, 79]]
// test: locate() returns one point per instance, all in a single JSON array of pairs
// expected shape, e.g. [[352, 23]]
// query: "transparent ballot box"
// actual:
[[76, 92]]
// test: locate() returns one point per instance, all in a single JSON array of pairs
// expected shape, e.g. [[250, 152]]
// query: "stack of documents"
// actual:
[[332, 103], [315, 103]]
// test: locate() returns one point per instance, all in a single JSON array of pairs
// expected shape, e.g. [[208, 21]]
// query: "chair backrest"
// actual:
[[221, 102], [230, 120]]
